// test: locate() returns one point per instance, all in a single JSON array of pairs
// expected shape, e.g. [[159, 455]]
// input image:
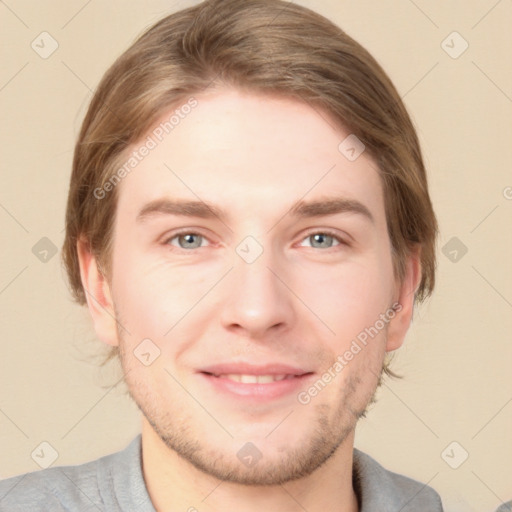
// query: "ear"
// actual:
[[404, 300], [98, 294]]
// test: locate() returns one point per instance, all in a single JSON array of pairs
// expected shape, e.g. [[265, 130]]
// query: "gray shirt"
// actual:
[[115, 483]]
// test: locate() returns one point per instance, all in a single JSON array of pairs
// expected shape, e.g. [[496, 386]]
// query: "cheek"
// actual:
[[348, 298], [153, 297]]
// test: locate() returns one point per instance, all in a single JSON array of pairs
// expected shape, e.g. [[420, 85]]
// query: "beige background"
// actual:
[[457, 358]]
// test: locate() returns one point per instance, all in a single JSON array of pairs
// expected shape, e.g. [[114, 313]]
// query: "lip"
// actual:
[[252, 369], [214, 377]]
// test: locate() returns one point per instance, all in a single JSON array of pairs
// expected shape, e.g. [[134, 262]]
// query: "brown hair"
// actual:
[[265, 46]]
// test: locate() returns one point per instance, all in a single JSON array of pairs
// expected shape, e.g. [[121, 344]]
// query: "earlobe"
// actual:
[[400, 323], [98, 295]]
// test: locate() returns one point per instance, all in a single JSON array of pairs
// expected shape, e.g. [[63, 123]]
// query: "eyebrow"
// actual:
[[301, 209]]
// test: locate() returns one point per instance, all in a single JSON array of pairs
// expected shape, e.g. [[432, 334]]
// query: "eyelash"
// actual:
[[334, 235]]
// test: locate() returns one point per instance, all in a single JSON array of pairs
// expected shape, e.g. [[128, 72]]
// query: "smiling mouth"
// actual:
[[253, 379], [258, 384]]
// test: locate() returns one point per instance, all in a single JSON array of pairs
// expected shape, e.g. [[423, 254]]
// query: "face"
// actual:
[[252, 256]]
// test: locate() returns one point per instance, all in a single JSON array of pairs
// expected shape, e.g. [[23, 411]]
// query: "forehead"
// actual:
[[251, 154]]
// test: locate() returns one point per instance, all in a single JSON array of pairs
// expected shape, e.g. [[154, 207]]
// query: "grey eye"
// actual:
[[321, 240], [188, 240]]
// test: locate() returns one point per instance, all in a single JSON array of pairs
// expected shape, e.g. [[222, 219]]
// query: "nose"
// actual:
[[256, 300]]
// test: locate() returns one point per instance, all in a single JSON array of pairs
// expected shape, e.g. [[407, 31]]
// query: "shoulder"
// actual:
[[382, 490], [51, 489], [95, 485]]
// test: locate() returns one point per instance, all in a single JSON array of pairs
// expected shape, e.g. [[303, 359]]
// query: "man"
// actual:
[[250, 226]]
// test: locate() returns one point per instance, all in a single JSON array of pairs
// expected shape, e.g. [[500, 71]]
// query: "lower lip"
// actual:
[[263, 392]]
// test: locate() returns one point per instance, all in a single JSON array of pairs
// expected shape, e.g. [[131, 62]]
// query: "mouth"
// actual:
[[253, 379], [256, 383]]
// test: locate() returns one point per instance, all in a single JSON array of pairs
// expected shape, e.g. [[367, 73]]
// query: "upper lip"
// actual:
[[252, 369]]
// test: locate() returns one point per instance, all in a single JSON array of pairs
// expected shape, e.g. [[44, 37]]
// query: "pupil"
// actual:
[[321, 239], [189, 240]]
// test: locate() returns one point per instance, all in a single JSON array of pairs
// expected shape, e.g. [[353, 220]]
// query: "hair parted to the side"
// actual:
[[261, 46]]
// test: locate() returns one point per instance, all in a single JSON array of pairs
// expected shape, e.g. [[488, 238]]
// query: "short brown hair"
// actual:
[[263, 46]]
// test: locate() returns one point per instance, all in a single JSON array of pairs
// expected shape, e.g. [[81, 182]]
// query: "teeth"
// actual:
[[253, 379]]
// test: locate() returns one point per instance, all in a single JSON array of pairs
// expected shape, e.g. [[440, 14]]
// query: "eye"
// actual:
[[187, 241], [322, 240]]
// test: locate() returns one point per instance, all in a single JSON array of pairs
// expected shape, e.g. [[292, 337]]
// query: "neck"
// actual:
[[175, 484]]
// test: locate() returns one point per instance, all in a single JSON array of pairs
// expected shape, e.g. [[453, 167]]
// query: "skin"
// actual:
[[300, 303]]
